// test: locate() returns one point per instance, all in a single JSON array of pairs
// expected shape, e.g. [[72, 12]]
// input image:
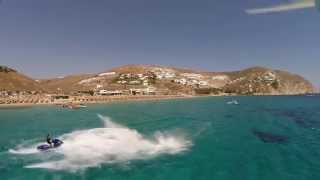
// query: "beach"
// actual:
[[24, 102]]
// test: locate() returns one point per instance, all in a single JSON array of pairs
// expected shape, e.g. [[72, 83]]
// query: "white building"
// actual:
[[203, 83], [220, 77], [163, 73], [4, 93], [134, 82], [109, 93], [150, 90], [145, 82], [143, 91], [182, 81], [107, 74], [99, 86], [192, 75], [192, 82]]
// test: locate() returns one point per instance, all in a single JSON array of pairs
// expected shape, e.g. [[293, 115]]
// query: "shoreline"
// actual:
[[116, 99], [107, 100]]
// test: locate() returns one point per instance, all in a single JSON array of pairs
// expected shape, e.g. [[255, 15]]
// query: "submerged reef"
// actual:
[[268, 137]]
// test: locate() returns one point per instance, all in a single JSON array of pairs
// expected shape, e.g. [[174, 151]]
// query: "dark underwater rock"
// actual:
[[267, 137], [299, 116], [228, 116]]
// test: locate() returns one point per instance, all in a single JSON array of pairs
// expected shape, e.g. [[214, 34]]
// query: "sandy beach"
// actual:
[[97, 100]]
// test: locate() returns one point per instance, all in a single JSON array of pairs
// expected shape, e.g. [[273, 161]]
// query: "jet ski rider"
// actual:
[[49, 140]]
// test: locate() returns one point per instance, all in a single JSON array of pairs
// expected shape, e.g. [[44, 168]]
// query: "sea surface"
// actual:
[[265, 138]]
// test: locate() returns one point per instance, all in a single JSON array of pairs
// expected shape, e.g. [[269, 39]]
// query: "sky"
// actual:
[[50, 38]]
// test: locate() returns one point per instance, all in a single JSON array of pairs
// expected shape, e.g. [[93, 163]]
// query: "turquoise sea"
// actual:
[[205, 138]]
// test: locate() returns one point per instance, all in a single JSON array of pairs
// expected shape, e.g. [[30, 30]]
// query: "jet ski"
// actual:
[[55, 143]]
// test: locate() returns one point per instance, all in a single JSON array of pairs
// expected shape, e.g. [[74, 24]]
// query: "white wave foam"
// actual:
[[112, 144], [28, 147], [31, 150]]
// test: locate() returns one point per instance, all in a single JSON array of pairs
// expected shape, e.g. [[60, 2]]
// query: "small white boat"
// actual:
[[74, 106], [77, 106], [234, 102]]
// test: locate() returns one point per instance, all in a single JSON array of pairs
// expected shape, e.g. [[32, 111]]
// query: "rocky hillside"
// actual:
[[251, 81], [11, 80], [171, 80], [259, 80], [65, 84]]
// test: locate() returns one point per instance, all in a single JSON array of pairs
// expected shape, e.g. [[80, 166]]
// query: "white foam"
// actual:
[[31, 150], [28, 147], [113, 143]]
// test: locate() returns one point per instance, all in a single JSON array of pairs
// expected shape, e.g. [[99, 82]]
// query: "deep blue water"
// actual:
[[202, 138]]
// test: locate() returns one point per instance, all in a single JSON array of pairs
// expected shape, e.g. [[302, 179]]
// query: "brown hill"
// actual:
[[65, 84], [11, 80], [255, 80], [260, 80]]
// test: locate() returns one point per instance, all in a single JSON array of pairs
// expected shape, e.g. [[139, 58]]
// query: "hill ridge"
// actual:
[[252, 80]]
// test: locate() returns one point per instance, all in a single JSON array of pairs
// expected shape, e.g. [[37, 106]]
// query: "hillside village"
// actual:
[[147, 80]]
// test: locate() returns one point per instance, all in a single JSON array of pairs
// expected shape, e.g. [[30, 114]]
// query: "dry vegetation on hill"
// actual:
[[255, 80], [11, 80]]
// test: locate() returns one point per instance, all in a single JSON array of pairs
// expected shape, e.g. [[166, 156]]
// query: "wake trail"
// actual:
[[113, 143]]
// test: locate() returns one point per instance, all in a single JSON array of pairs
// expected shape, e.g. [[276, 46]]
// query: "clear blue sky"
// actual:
[[48, 38]]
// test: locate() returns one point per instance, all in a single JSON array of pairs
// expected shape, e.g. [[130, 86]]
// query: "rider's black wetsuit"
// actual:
[[49, 140]]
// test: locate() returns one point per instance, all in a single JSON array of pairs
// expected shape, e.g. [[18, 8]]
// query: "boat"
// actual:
[[76, 106], [55, 144], [82, 106], [73, 106], [234, 102]]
